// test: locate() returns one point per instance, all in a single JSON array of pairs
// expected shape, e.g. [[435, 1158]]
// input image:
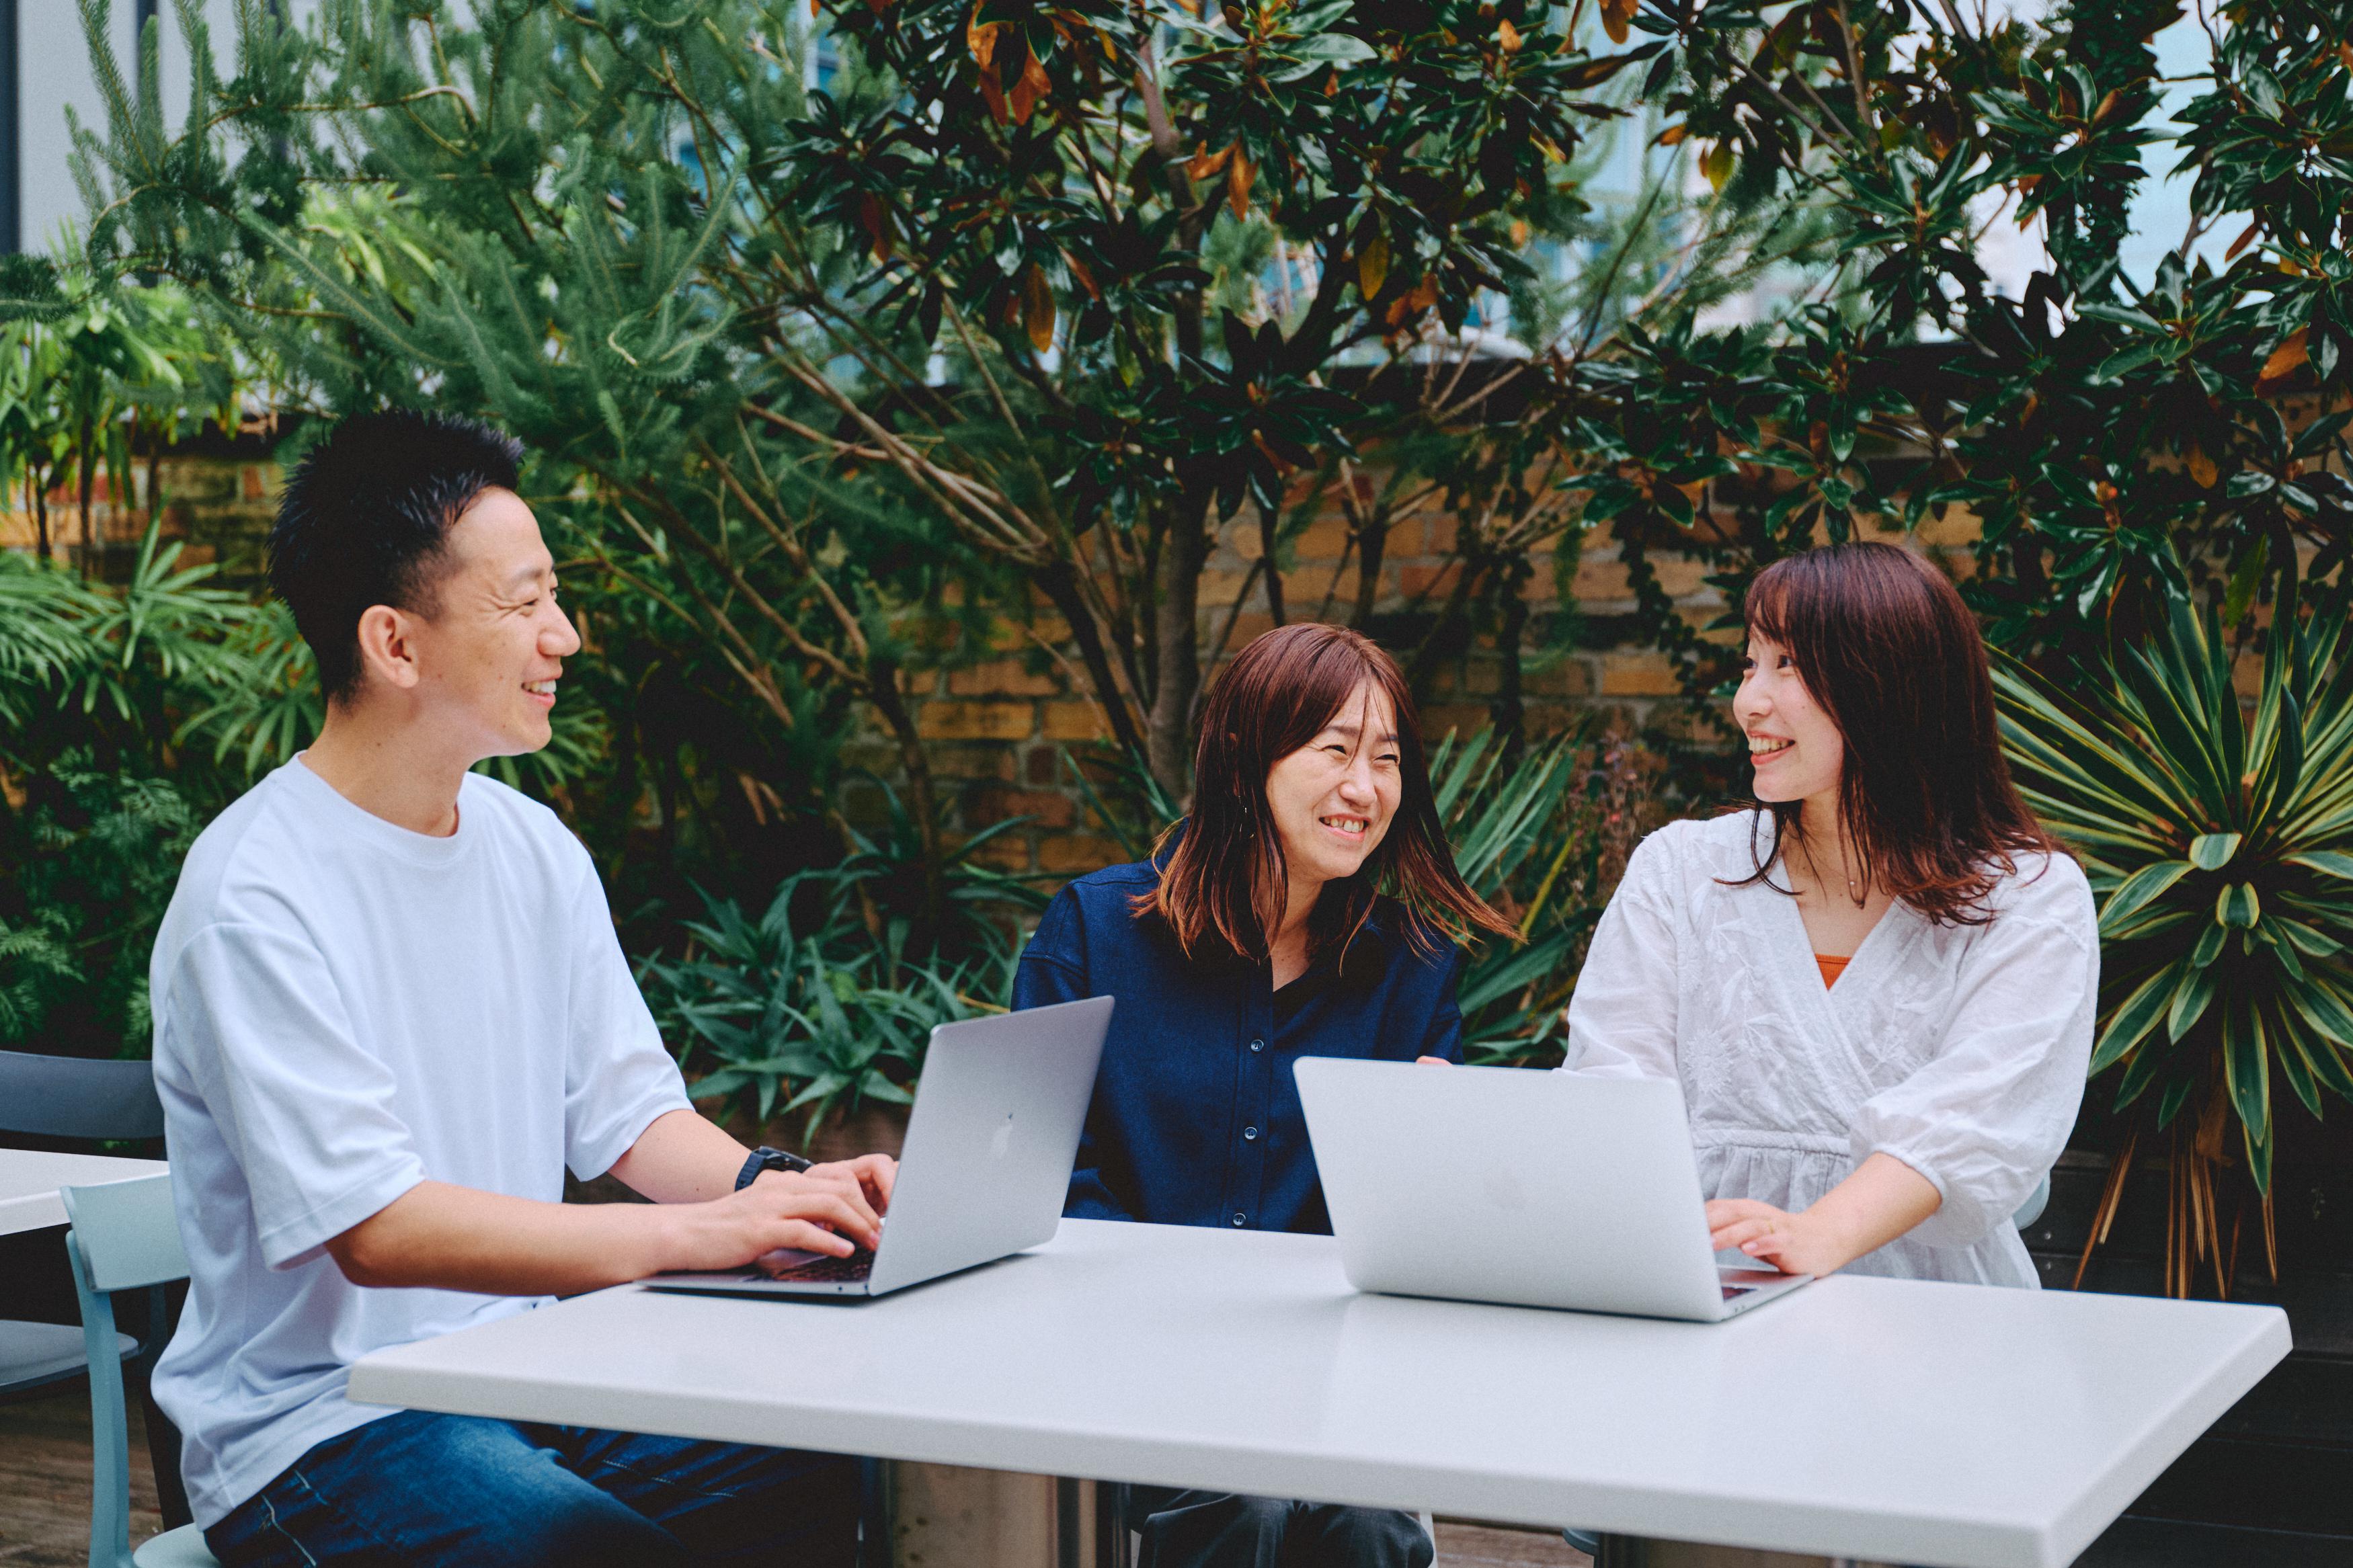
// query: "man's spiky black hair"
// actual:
[[364, 519]]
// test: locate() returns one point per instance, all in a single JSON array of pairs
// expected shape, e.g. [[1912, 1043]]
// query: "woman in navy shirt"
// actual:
[[1309, 906]]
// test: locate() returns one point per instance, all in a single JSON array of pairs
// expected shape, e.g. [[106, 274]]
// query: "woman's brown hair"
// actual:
[[1888, 650], [1223, 887]]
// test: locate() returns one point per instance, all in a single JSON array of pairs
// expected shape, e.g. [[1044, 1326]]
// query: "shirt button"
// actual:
[[1257, 1044], [1241, 1219], [1250, 1134]]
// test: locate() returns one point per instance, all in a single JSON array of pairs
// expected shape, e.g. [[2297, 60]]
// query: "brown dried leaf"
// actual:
[[1240, 175], [875, 221], [1204, 163], [1029, 91], [2202, 467], [1508, 37], [980, 38], [1617, 18], [1038, 309], [2285, 361]]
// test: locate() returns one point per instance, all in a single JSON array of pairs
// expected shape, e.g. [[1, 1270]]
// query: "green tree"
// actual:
[[2121, 445], [959, 322]]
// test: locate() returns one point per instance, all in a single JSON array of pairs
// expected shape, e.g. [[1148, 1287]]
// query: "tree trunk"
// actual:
[[88, 477], [1435, 641], [882, 691], [1372, 545], [1178, 639], [1507, 712], [1266, 521], [155, 477], [1059, 582]]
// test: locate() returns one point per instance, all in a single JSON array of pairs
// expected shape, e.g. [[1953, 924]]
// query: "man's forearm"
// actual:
[[681, 1157], [458, 1238]]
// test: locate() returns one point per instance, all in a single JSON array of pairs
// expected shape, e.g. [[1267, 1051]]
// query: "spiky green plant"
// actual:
[[2219, 841]]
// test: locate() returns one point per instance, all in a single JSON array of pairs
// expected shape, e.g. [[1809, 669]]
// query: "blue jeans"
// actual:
[[417, 1488]]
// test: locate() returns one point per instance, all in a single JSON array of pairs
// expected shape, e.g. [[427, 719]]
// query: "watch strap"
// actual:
[[766, 1159]]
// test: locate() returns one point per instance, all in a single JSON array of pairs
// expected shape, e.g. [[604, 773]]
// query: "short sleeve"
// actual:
[[1053, 966], [1621, 1016], [617, 1076], [1990, 1114], [305, 1111]]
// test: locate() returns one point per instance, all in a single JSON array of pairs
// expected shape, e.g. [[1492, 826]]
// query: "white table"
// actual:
[[1928, 1424], [29, 1180]]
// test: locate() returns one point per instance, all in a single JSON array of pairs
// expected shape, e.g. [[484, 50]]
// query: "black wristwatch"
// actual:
[[766, 1159]]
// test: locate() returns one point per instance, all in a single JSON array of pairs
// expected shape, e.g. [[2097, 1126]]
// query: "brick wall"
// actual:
[[217, 495], [1000, 726]]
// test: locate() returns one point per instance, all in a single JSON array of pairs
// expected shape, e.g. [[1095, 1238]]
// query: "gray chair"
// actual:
[[66, 1097], [1123, 1543], [125, 1238]]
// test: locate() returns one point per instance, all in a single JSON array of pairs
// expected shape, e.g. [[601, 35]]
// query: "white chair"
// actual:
[[123, 1239], [64, 1097]]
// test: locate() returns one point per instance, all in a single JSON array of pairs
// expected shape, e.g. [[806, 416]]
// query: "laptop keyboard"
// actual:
[[1739, 1282], [852, 1270]]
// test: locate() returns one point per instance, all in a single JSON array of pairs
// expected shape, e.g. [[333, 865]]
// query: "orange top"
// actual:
[[1832, 968]]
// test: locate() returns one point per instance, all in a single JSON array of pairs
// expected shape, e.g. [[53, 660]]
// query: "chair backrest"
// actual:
[[126, 1233], [71, 1096], [123, 1239], [2036, 1202]]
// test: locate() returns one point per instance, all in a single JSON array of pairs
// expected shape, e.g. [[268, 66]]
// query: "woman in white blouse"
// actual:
[[1876, 985]]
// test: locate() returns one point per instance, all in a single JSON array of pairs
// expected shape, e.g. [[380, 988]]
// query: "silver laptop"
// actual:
[[1539, 1189], [986, 1166]]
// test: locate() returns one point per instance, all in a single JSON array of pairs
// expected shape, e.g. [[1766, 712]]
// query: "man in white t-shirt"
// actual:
[[390, 1009]]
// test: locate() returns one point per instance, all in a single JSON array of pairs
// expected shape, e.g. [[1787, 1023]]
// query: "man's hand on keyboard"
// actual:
[[823, 1209]]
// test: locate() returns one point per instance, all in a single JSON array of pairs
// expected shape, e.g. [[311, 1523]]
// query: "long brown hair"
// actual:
[[1888, 650], [1223, 888]]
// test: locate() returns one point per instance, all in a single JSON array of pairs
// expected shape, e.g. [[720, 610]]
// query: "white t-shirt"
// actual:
[[344, 1009]]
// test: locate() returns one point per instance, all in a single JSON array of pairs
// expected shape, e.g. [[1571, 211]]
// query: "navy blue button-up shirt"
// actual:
[[1195, 1118]]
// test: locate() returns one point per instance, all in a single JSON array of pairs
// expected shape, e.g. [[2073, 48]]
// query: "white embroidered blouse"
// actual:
[[1960, 1050]]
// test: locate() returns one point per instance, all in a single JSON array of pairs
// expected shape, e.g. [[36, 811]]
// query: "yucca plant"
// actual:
[[2219, 841], [1537, 834]]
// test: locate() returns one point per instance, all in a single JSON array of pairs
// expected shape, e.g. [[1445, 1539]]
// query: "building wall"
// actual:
[[54, 75]]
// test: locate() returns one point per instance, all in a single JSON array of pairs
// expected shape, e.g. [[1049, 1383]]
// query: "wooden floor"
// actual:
[[44, 1497], [45, 1481]]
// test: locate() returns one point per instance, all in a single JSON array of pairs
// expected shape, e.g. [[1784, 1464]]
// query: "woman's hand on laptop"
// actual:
[[1883, 1199], [1772, 1236]]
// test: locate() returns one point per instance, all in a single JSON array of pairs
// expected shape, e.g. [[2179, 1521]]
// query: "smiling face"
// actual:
[[1795, 747], [1332, 799], [486, 661]]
